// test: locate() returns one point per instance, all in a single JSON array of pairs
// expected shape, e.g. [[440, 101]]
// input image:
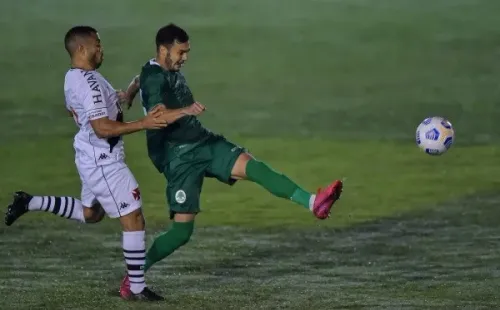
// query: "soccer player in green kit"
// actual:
[[186, 152]]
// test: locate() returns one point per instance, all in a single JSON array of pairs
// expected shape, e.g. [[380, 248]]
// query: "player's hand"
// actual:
[[153, 119], [194, 109], [123, 98]]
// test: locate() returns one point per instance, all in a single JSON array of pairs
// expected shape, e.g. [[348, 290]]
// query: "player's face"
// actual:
[[177, 55], [93, 51]]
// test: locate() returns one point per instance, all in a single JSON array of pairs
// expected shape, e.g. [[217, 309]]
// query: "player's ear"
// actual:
[[163, 50], [80, 49]]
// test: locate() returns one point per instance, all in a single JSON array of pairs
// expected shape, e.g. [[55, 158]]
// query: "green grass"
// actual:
[[318, 89]]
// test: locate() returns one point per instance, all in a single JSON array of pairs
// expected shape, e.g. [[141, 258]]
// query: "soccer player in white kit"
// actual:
[[108, 185]]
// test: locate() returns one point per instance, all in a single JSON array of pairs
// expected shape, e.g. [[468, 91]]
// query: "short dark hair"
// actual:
[[73, 34], [169, 34]]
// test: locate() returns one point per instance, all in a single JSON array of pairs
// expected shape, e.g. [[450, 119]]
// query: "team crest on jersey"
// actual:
[[136, 193], [180, 196]]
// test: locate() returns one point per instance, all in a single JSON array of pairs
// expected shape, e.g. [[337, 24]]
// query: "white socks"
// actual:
[[68, 207], [134, 250], [311, 202]]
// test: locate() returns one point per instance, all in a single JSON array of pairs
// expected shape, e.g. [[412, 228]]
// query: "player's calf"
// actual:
[[94, 214], [66, 207], [168, 242], [278, 184]]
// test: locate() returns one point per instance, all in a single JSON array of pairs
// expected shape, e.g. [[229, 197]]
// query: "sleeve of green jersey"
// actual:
[[153, 90]]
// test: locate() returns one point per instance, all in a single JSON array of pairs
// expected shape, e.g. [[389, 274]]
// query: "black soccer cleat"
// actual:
[[146, 295], [18, 207]]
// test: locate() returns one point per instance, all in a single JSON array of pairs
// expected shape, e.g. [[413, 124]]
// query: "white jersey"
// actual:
[[89, 97]]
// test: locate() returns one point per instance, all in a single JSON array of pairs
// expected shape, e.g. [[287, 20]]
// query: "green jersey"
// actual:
[[170, 88]]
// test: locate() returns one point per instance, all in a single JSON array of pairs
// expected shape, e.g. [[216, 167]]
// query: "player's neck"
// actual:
[[82, 65], [161, 63]]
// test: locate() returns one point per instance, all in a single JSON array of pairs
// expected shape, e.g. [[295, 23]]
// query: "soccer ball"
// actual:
[[435, 135]]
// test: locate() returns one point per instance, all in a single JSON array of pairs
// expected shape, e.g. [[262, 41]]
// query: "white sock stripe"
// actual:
[[52, 203], [135, 272], [66, 207], [311, 202], [134, 255], [139, 233], [137, 280], [135, 262], [63, 207]]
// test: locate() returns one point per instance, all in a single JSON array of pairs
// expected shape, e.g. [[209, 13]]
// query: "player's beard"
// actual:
[[98, 59], [172, 66]]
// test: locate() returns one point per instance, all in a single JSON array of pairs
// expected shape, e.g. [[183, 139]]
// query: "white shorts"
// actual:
[[113, 186]]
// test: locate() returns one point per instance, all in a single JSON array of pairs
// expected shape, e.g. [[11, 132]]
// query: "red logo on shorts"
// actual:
[[136, 193]]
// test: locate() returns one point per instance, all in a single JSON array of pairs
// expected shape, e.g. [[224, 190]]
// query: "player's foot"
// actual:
[[18, 207], [125, 291], [145, 295], [325, 198]]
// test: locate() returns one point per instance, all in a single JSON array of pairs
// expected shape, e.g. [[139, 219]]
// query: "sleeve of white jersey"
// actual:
[[94, 102]]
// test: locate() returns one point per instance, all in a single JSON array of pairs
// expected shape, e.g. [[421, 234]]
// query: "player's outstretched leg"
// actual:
[[280, 185], [68, 207]]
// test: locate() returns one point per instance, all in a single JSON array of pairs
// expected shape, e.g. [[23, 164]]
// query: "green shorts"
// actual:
[[185, 172]]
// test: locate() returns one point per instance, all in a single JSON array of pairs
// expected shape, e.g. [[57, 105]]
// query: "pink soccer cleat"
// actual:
[[325, 199], [125, 291], [145, 295]]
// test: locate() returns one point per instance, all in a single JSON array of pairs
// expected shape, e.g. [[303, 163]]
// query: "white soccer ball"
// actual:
[[435, 135]]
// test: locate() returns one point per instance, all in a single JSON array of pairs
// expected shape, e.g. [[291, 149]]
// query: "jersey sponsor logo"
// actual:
[[94, 86], [96, 114], [180, 196]]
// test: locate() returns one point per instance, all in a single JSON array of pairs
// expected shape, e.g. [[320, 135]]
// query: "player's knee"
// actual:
[[94, 214], [134, 221], [239, 170]]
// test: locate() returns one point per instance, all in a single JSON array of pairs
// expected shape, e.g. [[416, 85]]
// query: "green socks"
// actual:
[[276, 183], [166, 243]]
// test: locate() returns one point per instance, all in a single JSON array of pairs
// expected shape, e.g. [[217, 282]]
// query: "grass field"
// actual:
[[321, 90]]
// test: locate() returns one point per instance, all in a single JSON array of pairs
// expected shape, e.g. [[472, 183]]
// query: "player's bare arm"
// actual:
[[127, 97], [106, 128], [172, 115]]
